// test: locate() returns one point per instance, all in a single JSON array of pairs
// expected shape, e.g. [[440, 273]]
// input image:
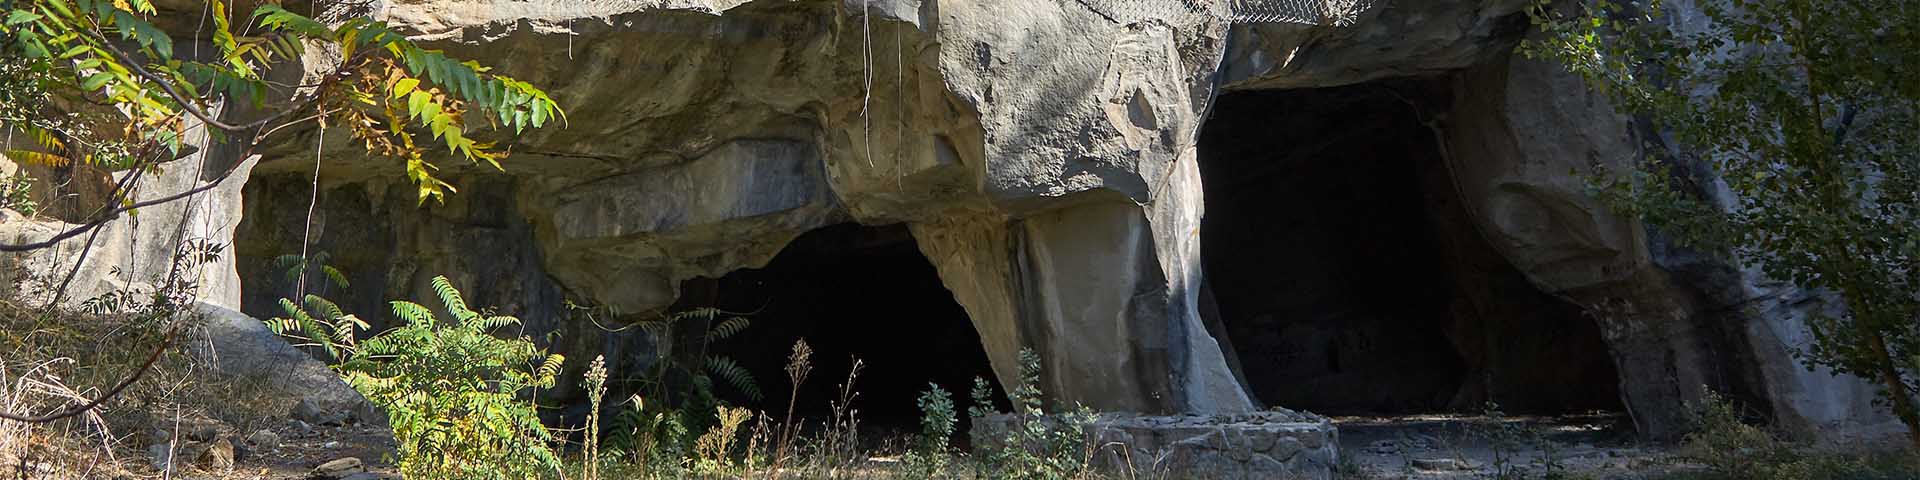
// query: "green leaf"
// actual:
[[95, 81], [18, 17], [404, 86]]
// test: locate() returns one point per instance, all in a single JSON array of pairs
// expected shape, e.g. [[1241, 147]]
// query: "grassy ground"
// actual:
[[52, 360]]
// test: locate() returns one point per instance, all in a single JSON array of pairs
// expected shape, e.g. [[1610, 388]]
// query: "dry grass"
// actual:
[[51, 360]]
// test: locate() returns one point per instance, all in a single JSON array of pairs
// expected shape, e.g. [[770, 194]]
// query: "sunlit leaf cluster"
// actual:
[[393, 95]]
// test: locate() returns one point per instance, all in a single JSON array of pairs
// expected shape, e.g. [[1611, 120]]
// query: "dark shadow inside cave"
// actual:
[[1348, 278], [850, 291]]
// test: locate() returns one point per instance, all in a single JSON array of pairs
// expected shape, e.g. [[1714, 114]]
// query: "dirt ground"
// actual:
[[1466, 446]]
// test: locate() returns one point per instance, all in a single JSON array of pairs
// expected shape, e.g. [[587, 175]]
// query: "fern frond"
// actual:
[[549, 369], [495, 322], [658, 329], [413, 313], [735, 375], [449, 296], [704, 313], [45, 138], [728, 328], [272, 17], [334, 275], [324, 307], [29, 157]]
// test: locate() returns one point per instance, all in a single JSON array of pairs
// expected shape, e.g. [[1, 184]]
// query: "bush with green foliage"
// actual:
[[1731, 448], [454, 393], [1037, 445], [933, 448], [1805, 112], [653, 438], [16, 193]]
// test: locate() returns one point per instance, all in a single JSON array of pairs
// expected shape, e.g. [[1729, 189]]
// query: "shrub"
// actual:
[[1036, 445], [1725, 443], [16, 192], [651, 437], [451, 390], [936, 433]]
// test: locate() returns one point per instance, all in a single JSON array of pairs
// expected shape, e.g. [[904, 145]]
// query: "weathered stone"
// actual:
[[264, 440], [1440, 464], [338, 469], [1043, 153], [217, 455], [311, 411], [1286, 447]]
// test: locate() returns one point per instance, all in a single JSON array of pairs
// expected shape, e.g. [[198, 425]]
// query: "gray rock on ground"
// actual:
[[241, 347]]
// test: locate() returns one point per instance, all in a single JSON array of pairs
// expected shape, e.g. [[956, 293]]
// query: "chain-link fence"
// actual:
[[1305, 12]]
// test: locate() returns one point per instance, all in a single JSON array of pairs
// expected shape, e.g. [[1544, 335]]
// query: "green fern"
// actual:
[[735, 375], [728, 328], [295, 268], [450, 297], [698, 366], [452, 391], [322, 323]]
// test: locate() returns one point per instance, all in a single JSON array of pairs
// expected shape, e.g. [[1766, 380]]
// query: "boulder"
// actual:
[[243, 349]]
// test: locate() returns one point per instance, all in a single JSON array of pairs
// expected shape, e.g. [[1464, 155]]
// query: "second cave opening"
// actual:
[[851, 291], [1349, 279]]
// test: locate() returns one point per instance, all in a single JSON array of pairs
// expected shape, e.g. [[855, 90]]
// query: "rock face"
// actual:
[[1047, 159]]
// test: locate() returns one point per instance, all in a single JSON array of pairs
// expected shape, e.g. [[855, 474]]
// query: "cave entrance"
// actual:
[[851, 291], [1349, 281]]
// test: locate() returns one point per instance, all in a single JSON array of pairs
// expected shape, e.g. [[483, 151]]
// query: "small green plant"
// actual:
[[16, 192], [1725, 443], [451, 390], [1552, 459], [937, 421], [653, 438], [1036, 445], [1505, 439]]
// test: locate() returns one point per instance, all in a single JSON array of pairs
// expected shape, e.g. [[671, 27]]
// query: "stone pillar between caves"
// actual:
[[1086, 287]]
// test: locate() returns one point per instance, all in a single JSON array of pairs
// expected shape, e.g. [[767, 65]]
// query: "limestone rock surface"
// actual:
[[1044, 154]]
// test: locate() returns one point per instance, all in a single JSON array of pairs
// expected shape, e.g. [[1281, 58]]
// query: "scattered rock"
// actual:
[[161, 455], [338, 469], [313, 412], [264, 440], [1440, 464], [300, 428], [216, 456], [202, 432], [372, 476]]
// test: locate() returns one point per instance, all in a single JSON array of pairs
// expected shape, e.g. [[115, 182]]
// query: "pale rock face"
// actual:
[[1042, 152]]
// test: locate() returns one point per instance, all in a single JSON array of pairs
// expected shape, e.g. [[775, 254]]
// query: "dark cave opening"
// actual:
[[851, 291], [1349, 280]]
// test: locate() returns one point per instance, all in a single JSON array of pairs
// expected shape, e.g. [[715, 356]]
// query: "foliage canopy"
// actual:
[[1790, 146], [105, 58]]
